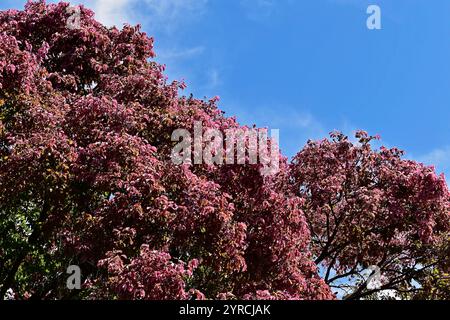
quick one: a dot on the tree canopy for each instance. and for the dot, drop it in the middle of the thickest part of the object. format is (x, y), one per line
(86, 178)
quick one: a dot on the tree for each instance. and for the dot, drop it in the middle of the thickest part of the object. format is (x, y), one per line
(86, 178)
(368, 207)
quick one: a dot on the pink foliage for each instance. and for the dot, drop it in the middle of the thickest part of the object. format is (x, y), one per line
(86, 118)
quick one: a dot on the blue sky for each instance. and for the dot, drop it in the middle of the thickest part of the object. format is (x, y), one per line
(308, 67)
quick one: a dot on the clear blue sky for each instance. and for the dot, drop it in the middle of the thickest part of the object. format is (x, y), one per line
(307, 67)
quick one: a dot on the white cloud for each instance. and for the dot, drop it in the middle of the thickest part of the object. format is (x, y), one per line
(440, 158)
(168, 15)
(171, 9)
(258, 9)
(214, 78)
(172, 54)
(292, 119)
(259, 3)
(163, 18)
(355, 3)
(109, 12)
(161, 15)
(206, 82)
(114, 12)
(178, 61)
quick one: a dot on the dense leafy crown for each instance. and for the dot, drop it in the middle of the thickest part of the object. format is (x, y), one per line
(86, 118)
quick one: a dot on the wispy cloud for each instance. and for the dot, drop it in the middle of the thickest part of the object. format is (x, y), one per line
(160, 18)
(292, 119)
(259, 10)
(156, 15)
(440, 158)
(168, 15)
(109, 12)
(214, 79)
(113, 12)
(297, 125)
(179, 54)
(178, 61)
(205, 83)
(361, 4)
